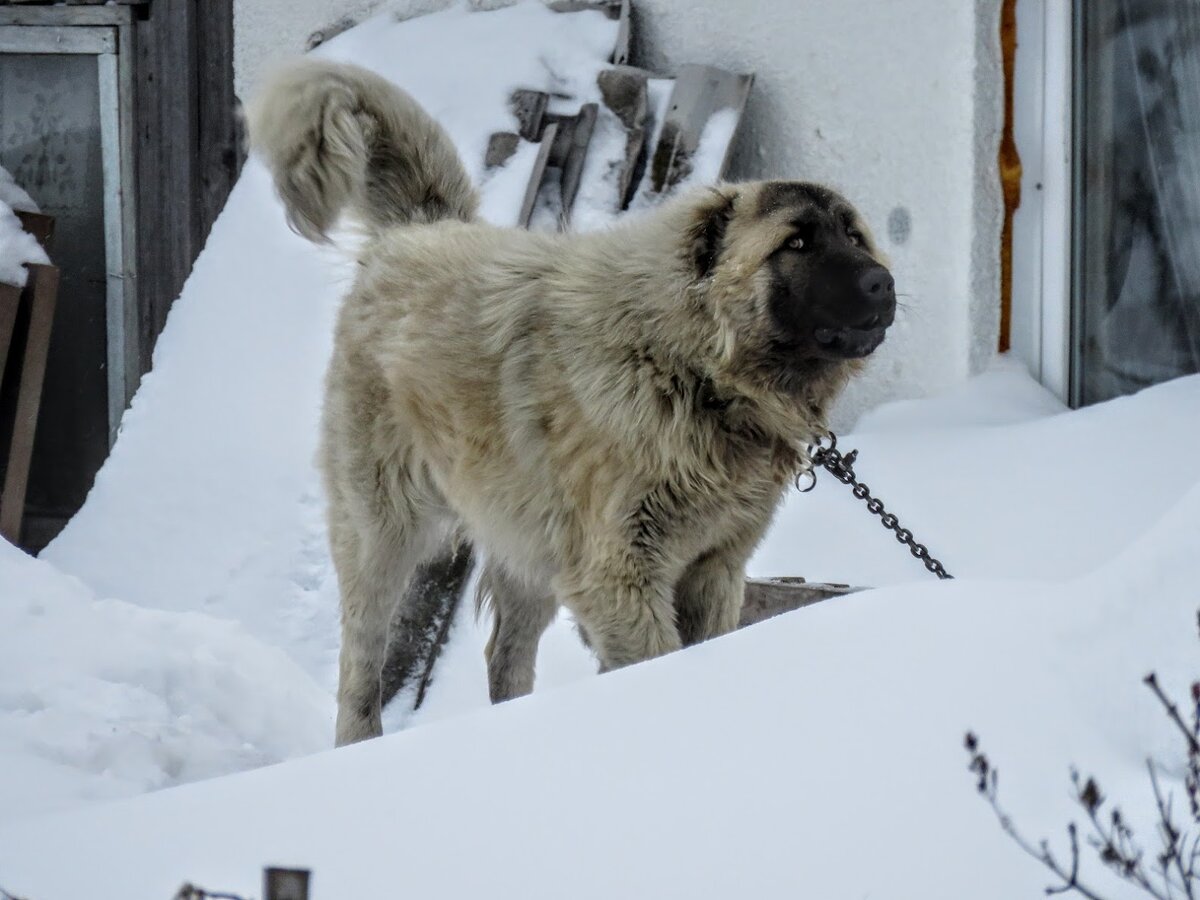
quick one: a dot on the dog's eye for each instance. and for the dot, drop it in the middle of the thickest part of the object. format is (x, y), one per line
(855, 238)
(797, 243)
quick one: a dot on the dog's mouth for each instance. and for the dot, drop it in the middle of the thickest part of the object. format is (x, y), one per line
(850, 343)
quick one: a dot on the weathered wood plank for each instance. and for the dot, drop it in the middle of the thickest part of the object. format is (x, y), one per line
(530, 109)
(770, 597)
(10, 302)
(220, 152)
(65, 15)
(578, 138)
(286, 884)
(41, 292)
(70, 2)
(500, 149)
(610, 8)
(167, 137)
(27, 39)
(537, 175)
(189, 146)
(625, 93)
(127, 267)
(40, 225)
(699, 93)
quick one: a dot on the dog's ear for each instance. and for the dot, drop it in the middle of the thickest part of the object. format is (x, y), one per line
(706, 235)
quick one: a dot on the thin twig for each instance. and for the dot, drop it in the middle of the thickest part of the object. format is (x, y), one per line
(5, 895)
(1151, 680)
(188, 891)
(988, 786)
(1172, 842)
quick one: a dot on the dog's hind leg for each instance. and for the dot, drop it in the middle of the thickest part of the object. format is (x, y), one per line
(521, 613)
(375, 559)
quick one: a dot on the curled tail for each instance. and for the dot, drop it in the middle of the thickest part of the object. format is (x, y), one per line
(339, 138)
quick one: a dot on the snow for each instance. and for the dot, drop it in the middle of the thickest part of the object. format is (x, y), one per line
(13, 195)
(816, 755)
(17, 247)
(113, 699)
(184, 625)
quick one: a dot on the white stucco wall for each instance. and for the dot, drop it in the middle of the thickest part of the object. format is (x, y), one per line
(897, 103)
(266, 31)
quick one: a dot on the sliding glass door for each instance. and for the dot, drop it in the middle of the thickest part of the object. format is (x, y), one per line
(1136, 305)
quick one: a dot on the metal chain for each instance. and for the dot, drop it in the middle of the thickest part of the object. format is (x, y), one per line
(841, 466)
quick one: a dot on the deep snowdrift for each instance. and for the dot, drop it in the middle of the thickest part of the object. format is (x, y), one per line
(819, 755)
(101, 698)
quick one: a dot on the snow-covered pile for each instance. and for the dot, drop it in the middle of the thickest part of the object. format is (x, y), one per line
(184, 625)
(101, 698)
(17, 247)
(816, 755)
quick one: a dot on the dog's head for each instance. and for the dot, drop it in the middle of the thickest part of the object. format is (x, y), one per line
(795, 278)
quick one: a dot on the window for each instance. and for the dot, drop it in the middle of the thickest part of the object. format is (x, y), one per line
(1135, 312)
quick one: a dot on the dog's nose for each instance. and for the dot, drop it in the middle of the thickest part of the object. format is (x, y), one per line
(877, 286)
(877, 289)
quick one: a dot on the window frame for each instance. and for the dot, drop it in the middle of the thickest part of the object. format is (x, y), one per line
(1043, 233)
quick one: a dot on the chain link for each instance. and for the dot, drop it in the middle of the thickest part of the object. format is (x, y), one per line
(841, 466)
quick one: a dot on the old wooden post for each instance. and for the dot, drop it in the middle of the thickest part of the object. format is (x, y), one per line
(285, 884)
(40, 295)
(39, 298)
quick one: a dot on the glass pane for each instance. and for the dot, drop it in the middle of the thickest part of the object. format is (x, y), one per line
(1137, 285)
(50, 142)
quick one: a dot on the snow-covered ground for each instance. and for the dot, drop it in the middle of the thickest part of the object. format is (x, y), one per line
(819, 754)
(184, 626)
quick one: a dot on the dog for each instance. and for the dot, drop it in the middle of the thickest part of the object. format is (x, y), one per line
(613, 416)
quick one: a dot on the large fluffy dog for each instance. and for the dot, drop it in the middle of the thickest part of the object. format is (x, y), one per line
(614, 417)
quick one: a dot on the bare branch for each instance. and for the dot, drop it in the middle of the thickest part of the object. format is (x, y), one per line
(1189, 735)
(191, 892)
(1172, 838)
(987, 785)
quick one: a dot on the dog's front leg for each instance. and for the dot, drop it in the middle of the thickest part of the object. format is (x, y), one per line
(625, 606)
(709, 597)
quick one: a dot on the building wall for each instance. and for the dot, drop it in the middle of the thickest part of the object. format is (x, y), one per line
(897, 103)
(267, 31)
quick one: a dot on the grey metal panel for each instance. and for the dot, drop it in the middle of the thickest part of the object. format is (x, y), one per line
(20, 39)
